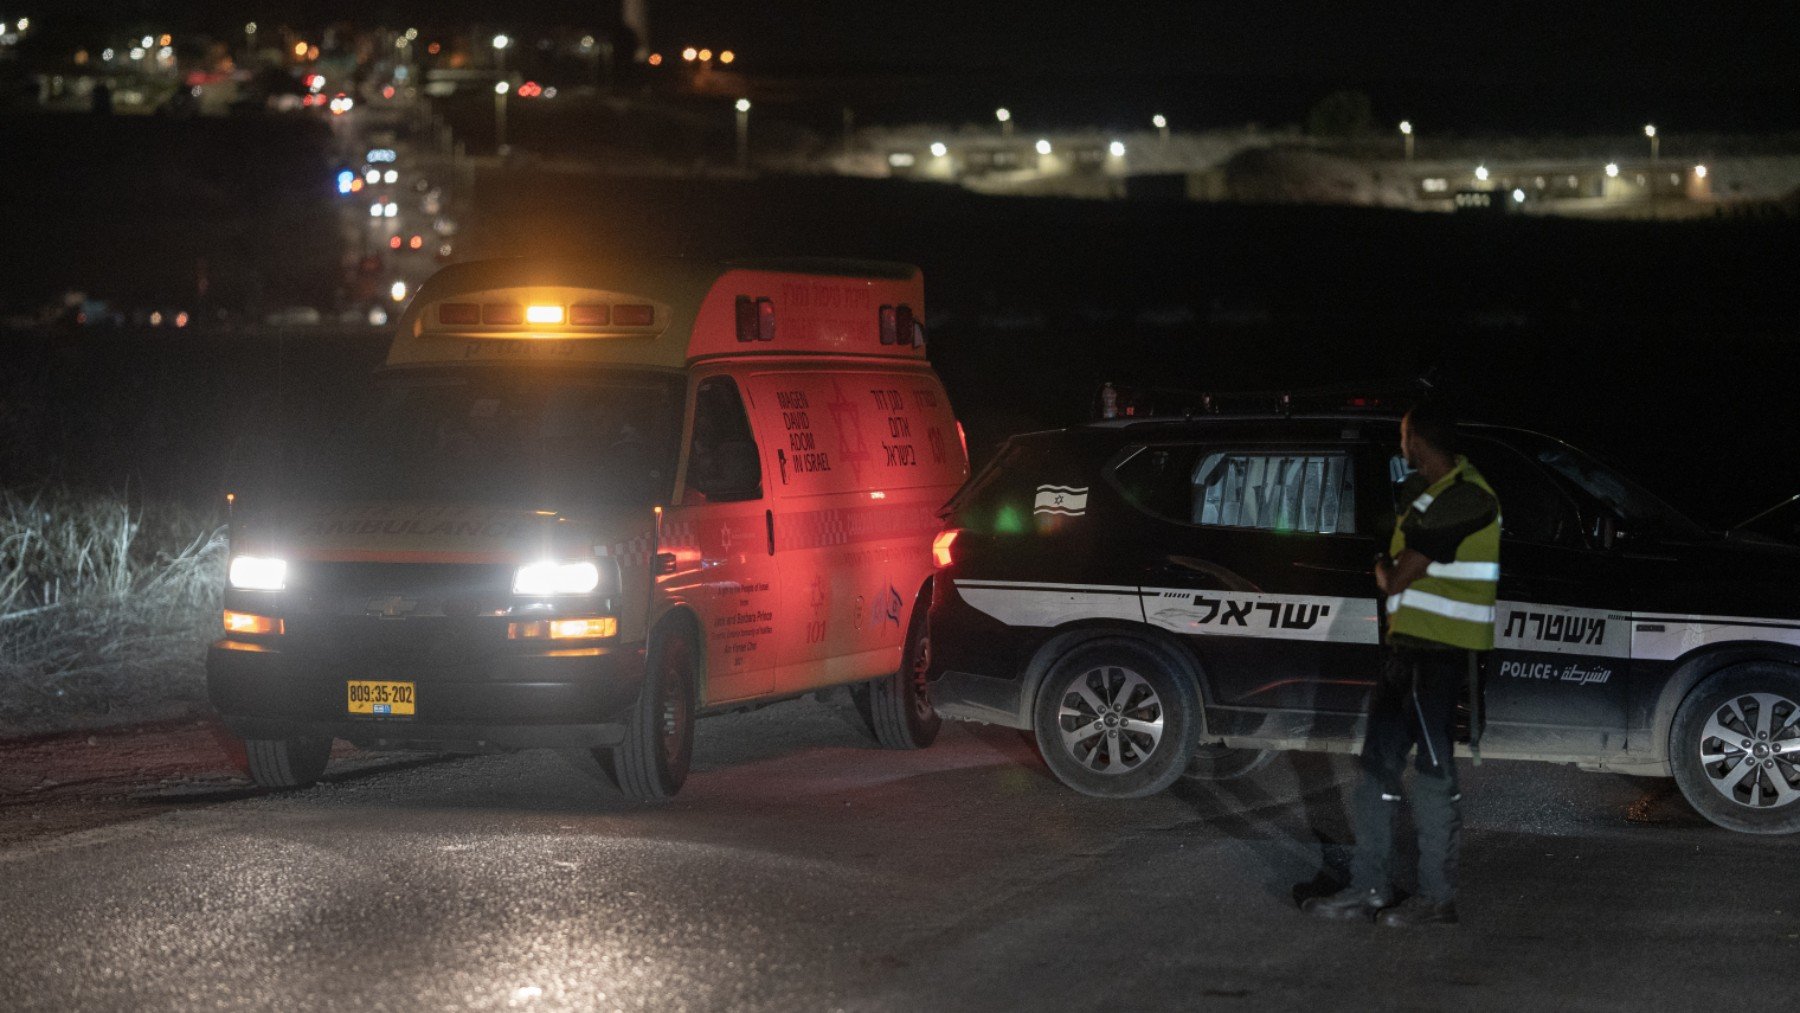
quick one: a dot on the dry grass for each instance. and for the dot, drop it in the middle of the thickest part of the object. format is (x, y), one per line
(105, 608)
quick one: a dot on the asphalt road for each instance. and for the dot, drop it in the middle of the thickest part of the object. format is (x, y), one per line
(805, 869)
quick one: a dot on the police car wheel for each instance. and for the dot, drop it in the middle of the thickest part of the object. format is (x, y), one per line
(1117, 718)
(899, 705)
(652, 763)
(1222, 763)
(1735, 748)
(287, 763)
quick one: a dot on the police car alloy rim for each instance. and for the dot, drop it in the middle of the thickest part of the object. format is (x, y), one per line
(1749, 750)
(672, 689)
(1110, 720)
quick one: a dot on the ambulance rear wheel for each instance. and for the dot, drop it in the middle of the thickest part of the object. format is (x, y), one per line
(1117, 718)
(899, 709)
(652, 763)
(1735, 748)
(287, 763)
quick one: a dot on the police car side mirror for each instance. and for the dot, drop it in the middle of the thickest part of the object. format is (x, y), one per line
(1604, 533)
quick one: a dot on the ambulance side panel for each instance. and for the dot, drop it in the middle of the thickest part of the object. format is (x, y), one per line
(861, 457)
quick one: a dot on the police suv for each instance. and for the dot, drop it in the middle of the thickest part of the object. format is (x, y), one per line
(1190, 594)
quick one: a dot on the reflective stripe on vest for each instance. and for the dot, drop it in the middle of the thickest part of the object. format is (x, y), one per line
(1453, 603)
(1465, 571)
(1413, 598)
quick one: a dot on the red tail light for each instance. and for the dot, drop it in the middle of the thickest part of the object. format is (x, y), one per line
(459, 313)
(943, 548)
(590, 314)
(633, 315)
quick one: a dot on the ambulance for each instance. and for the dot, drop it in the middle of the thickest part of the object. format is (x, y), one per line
(593, 502)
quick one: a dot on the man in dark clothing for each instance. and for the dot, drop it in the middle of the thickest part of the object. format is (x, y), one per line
(1439, 576)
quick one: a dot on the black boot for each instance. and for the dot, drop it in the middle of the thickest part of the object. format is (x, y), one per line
(1348, 904)
(1419, 911)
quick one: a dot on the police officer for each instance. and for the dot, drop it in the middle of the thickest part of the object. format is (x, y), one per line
(1439, 577)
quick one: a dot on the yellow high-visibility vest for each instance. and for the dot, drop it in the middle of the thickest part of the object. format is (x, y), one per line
(1453, 603)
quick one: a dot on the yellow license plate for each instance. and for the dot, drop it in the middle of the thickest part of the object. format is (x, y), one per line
(381, 698)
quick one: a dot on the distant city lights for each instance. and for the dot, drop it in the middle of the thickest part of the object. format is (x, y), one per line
(1159, 121)
(1116, 149)
(1612, 170)
(1699, 172)
(727, 56)
(1406, 126)
(1043, 146)
(1003, 114)
(501, 42)
(1518, 195)
(398, 291)
(1481, 173)
(743, 105)
(345, 180)
(655, 60)
(939, 149)
(689, 54)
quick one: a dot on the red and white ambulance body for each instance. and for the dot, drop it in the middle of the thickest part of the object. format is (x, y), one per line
(596, 501)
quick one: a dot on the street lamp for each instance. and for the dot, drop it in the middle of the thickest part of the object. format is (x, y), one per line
(1161, 123)
(500, 44)
(1406, 131)
(500, 90)
(1655, 143)
(1481, 173)
(743, 133)
(1004, 115)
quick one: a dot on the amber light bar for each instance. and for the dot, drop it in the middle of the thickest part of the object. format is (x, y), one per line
(591, 628)
(250, 623)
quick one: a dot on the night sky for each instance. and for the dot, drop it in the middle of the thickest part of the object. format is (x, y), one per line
(1504, 65)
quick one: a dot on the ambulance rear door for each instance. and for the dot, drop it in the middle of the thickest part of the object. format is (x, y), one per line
(861, 459)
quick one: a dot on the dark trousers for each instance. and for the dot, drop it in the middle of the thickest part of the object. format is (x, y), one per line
(1413, 706)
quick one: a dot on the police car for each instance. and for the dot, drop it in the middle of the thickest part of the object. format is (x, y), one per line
(1163, 596)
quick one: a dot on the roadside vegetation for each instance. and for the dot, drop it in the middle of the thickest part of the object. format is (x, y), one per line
(105, 608)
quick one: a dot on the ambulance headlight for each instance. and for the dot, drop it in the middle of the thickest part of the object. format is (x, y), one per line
(537, 579)
(258, 573)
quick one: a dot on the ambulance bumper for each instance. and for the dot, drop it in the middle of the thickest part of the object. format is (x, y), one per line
(516, 701)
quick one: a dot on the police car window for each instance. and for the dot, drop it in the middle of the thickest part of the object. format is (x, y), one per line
(1265, 489)
(1532, 508)
(1637, 508)
(559, 442)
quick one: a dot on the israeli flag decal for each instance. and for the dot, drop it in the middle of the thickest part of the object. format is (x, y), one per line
(1063, 500)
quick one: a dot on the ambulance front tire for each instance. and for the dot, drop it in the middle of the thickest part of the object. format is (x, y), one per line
(1117, 717)
(1735, 748)
(899, 709)
(287, 763)
(652, 763)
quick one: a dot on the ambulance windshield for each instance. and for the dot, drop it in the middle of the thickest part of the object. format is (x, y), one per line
(562, 441)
